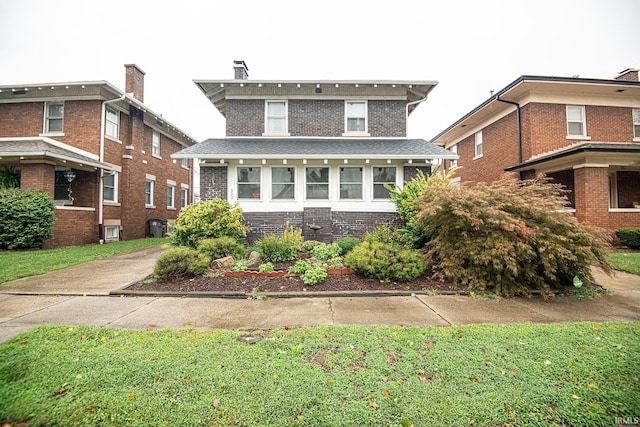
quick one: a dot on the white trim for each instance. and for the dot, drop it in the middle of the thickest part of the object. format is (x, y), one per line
(151, 192)
(624, 210)
(107, 123)
(45, 123)
(478, 136)
(74, 208)
(153, 144)
(172, 188)
(116, 180)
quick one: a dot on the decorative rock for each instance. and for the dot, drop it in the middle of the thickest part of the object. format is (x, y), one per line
(225, 263)
(254, 258)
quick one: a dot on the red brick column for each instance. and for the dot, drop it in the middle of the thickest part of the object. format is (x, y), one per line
(592, 195)
(40, 176)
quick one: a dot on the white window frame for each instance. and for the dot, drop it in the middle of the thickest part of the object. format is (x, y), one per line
(273, 182)
(267, 116)
(340, 183)
(115, 187)
(184, 163)
(347, 132)
(155, 144)
(478, 145)
(148, 192)
(259, 183)
(112, 124)
(374, 182)
(48, 118)
(112, 232)
(328, 183)
(171, 196)
(636, 124)
(582, 122)
(184, 196)
(453, 162)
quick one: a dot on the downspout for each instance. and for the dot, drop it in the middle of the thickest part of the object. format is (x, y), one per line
(519, 124)
(101, 180)
(421, 100)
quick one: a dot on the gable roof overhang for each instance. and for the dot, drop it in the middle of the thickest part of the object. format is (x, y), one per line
(218, 91)
(307, 148)
(91, 90)
(584, 154)
(39, 149)
(526, 89)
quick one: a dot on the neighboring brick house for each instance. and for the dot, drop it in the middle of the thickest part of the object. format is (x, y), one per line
(312, 154)
(102, 155)
(583, 133)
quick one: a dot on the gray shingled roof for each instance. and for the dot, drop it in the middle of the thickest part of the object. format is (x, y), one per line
(42, 148)
(327, 148)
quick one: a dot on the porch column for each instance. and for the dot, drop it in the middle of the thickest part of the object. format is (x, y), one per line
(40, 176)
(591, 187)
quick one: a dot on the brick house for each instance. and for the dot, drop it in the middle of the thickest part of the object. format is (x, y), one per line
(100, 152)
(312, 154)
(583, 133)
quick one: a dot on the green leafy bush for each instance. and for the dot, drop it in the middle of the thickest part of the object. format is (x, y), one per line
(284, 248)
(26, 218)
(508, 237)
(314, 275)
(629, 237)
(208, 219)
(180, 262)
(300, 267)
(323, 251)
(308, 245)
(346, 244)
(9, 178)
(384, 234)
(240, 265)
(385, 261)
(266, 268)
(221, 247)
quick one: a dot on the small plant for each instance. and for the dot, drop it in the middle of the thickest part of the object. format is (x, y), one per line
(301, 266)
(323, 251)
(279, 249)
(9, 178)
(222, 246)
(385, 261)
(180, 262)
(336, 262)
(240, 265)
(308, 245)
(266, 267)
(346, 244)
(314, 275)
(629, 237)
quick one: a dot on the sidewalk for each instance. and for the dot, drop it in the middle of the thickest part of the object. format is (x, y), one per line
(79, 296)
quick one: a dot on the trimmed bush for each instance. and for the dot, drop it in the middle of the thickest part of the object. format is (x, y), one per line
(284, 248)
(385, 261)
(629, 237)
(346, 244)
(221, 247)
(180, 262)
(208, 219)
(508, 237)
(26, 218)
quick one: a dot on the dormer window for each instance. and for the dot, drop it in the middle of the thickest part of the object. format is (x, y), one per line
(355, 117)
(276, 117)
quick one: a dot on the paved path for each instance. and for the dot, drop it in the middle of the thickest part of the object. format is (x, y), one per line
(77, 296)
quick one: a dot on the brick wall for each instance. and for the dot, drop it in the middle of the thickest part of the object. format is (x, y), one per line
(592, 196)
(356, 224)
(73, 227)
(213, 182)
(316, 118)
(609, 124)
(387, 118)
(23, 119)
(245, 117)
(263, 223)
(38, 175)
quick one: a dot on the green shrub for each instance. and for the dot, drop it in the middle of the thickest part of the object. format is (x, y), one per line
(314, 275)
(9, 178)
(308, 245)
(300, 267)
(323, 252)
(221, 247)
(26, 218)
(385, 261)
(279, 249)
(346, 244)
(384, 234)
(509, 237)
(180, 262)
(266, 268)
(208, 219)
(629, 237)
(240, 265)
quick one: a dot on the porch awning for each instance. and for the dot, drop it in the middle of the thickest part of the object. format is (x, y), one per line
(40, 148)
(314, 148)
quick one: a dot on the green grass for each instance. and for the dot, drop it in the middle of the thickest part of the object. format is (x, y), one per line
(625, 261)
(579, 374)
(17, 264)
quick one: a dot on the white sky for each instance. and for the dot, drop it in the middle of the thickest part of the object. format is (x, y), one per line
(468, 46)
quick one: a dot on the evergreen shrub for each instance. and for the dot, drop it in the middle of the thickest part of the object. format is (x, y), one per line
(208, 219)
(26, 218)
(180, 262)
(385, 261)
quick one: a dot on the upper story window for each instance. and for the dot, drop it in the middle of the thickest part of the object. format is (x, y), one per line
(110, 185)
(317, 180)
(576, 123)
(351, 183)
(636, 123)
(53, 117)
(276, 117)
(112, 128)
(356, 116)
(383, 176)
(155, 144)
(185, 163)
(454, 162)
(249, 183)
(478, 145)
(283, 183)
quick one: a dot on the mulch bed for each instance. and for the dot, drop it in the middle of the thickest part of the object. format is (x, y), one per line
(290, 284)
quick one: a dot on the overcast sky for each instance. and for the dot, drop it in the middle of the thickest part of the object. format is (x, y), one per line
(469, 47)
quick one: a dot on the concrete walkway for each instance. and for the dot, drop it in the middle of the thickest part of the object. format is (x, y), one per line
(79, 296)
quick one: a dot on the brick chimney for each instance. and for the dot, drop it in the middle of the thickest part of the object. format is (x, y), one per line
(241, 70)
(134, 81)
(630, 75)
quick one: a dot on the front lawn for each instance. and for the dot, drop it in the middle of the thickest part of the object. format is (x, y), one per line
(625, 261)
(578, 374)
(17, 264)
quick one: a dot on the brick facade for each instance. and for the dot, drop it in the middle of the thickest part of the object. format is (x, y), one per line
(213, 182)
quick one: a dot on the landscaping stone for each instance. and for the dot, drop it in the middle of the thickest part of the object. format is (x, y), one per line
(225, 263)
(254, 258)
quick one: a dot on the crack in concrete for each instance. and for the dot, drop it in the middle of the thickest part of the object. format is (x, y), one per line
(333, 313)
(433, 311)
(132, 311)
